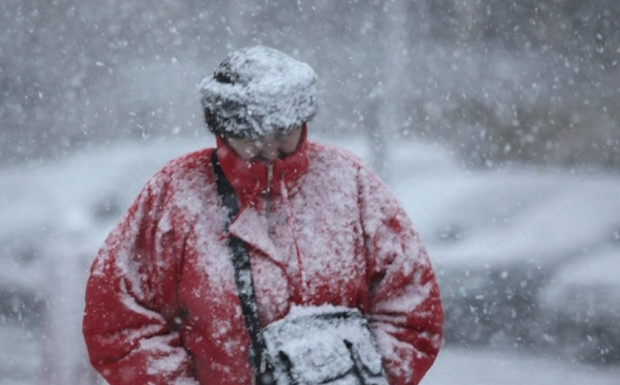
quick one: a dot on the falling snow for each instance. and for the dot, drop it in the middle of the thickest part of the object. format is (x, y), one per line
(496, 123)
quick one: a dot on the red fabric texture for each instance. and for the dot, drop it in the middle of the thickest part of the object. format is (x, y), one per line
(161, 302)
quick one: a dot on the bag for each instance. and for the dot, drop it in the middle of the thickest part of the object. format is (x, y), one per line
(323, 345)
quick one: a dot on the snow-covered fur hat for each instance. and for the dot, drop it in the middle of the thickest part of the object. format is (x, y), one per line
(257, 91)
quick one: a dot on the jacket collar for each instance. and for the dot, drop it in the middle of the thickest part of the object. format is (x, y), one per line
(250, 179)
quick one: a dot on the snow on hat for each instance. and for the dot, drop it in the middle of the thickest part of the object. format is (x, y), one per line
(257, 91)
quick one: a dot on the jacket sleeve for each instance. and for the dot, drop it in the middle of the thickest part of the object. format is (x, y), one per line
(131, 313)
(404, 306)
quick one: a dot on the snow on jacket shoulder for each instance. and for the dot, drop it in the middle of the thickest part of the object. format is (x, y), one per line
(161, 301)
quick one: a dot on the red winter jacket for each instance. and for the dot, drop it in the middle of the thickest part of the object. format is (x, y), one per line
(161, 301)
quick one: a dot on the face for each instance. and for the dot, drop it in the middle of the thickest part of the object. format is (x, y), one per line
(268, 148)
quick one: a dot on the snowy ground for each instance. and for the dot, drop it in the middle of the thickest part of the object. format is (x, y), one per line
(485, 367)
(549, 239)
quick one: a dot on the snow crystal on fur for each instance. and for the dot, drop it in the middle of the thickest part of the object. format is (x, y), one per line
(257, 91)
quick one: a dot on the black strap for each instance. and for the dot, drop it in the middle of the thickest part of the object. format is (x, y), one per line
(243, 279)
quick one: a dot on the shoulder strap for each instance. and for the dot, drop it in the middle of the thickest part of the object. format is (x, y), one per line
(243, 278)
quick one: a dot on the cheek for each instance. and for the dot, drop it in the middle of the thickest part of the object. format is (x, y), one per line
(288, 147)
(250, 152)
(245, 150)
(290, 144)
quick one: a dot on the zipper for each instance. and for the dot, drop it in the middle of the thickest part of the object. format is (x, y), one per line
(268, 198)
(269, 178)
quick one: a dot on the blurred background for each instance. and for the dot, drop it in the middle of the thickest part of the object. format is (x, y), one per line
(518, 81)
(497, 124)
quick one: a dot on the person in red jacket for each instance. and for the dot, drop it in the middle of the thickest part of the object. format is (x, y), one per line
(320, 228)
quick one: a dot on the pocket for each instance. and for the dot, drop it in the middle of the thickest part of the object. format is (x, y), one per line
(369, 369)
(364, 354)
(323, 362)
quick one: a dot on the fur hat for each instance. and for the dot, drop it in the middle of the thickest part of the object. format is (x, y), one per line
(257, 91)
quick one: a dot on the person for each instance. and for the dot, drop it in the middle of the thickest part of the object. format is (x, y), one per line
(320, 227)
